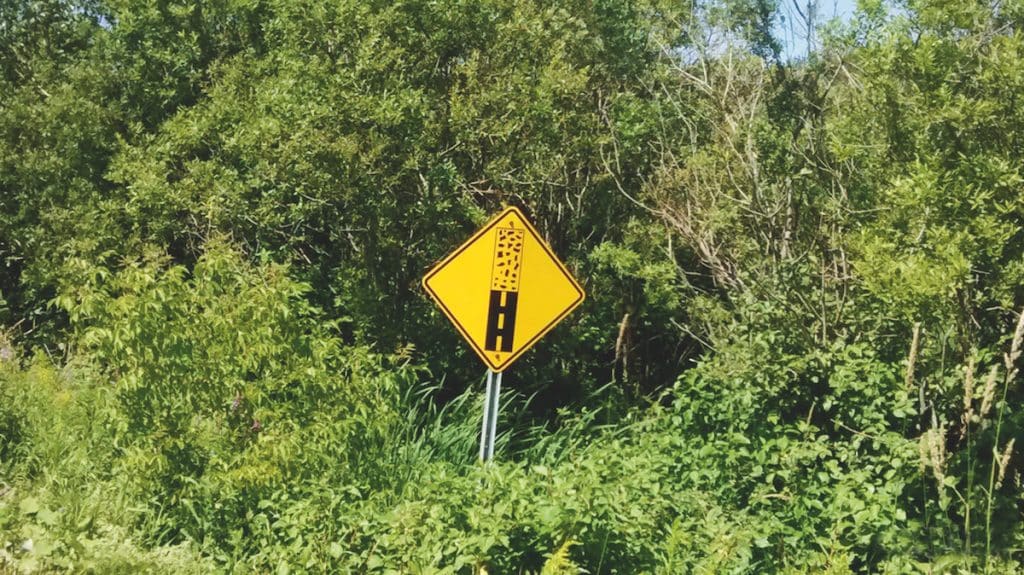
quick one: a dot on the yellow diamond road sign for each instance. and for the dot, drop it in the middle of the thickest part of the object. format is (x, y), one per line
(503, 289)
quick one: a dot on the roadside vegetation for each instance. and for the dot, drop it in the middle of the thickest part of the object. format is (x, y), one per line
(799, 353)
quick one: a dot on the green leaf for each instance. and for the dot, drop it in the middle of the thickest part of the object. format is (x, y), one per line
(47, 517)
(29, 506)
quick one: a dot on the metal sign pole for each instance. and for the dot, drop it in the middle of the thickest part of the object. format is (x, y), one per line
(489, 425)
(485, 426)
(495, 405)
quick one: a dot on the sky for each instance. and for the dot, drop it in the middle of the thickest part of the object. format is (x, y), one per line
(792, 30)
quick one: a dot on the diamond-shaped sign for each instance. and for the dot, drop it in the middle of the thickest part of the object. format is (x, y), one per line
(503, 289)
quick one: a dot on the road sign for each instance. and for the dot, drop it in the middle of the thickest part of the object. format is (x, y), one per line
(503, 289)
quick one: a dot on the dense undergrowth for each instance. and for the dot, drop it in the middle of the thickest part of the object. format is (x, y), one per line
(260, 442)
(799, 353)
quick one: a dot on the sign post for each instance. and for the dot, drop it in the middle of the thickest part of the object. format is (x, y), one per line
(503, 290)
(489, 427)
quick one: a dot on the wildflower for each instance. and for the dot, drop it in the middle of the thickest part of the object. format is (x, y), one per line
(937, 453)
(1004, 461)
(989, 394)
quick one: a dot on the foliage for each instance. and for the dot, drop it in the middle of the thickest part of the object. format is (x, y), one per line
(800, 350)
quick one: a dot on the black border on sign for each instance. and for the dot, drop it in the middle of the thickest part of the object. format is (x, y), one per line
(541, 333)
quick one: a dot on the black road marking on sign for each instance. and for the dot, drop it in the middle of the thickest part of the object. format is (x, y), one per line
(501, 320)
(506, 269)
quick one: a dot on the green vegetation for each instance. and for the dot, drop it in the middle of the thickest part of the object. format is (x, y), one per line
(801, 345)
